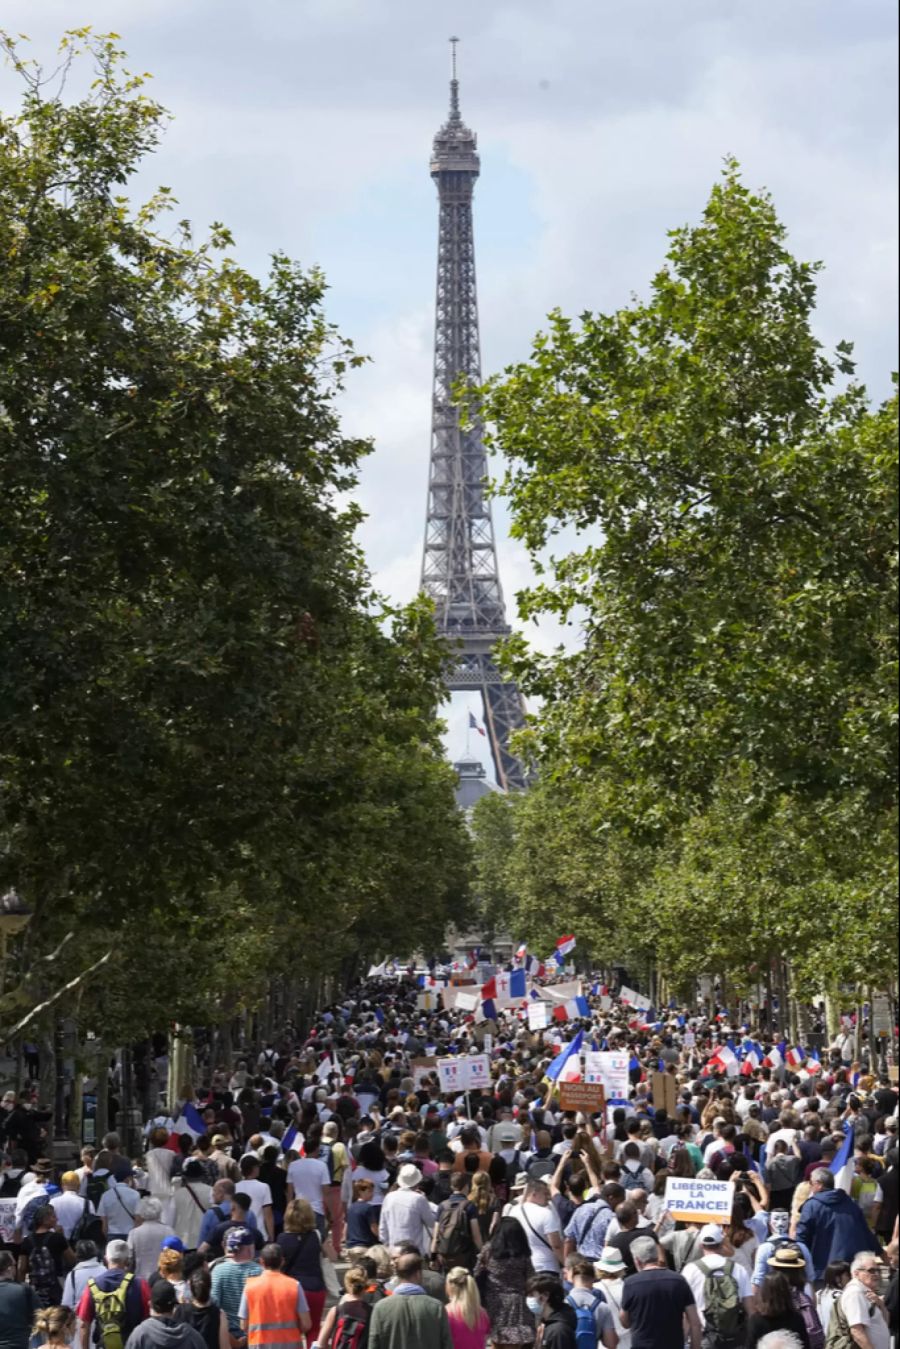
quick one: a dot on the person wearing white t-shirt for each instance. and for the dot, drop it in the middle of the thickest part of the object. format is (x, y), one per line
(540, 1223)
(307, 1178)
(259, 1194)
(710, 1259)
(860, 1302)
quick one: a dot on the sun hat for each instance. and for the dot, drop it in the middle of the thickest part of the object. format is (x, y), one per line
(42, 1167)
(219, 1140)
(237, 1238)
(611, 1261)
(409, 1177)
(711, 1235)
(787, 1257)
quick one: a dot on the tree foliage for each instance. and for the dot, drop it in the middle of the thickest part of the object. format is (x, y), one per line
(217, 745)
(729, 721)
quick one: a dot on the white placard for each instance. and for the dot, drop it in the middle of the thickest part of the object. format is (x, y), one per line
(611, 1069)
(689, 1039)
(7, 1219)
(464, 1074)
(538, 1015)
(635, 999)
(467, 1002)
(699, 1201)
(488, 1043)
(605, 1002)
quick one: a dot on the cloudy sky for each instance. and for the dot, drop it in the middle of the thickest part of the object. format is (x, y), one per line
(306, 125)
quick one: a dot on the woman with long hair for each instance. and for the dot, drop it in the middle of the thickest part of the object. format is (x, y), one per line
(171, 1267)
(774, 1310)
(502, 1272)
(159, 1162)
(487, 1210)
(371, 1167)
(469, 1324)
(303, 1250)
(790, 1261)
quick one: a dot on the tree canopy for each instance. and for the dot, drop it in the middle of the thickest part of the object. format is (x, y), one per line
(218, 744)
(719, 752)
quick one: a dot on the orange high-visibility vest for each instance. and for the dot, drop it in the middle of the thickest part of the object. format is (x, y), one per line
(272, 1311)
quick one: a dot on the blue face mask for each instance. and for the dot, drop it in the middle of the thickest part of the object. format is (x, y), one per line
(535, 1306)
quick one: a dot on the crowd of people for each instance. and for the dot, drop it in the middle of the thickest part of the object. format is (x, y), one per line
(329, 1193)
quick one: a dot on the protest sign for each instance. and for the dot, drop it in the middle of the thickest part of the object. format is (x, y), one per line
(635, 999)
(664, 1091)
(469, 1073)
(588, 1097)
(7, 1219)
(421, 1069)
(488, 1043)
(562, 992)
(427, 1002)
(689, 1039)
(538, 1015)
(610, 1069)
(699, 1201)
(467, 1002)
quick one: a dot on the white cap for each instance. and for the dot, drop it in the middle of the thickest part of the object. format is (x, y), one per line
(711, 1235)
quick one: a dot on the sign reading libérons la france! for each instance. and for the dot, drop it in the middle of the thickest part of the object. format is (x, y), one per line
(699, 1201)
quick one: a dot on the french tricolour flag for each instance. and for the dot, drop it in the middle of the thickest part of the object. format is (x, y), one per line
(751, 1062)
(775, 1057)
(565, 945)
(726, 1060)
(795, 1057)
(522, 951)
(842, 1166)
(575, 1007)
(813, 1063)
(190, 1121)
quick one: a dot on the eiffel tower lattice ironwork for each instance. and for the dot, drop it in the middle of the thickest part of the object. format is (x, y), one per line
(459, 566)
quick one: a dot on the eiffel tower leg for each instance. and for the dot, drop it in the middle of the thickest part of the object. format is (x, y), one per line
(504, 713)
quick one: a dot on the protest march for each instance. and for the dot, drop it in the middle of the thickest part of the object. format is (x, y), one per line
(473, 1155)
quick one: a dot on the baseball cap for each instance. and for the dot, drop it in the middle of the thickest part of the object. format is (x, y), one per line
(711, 1235)
(162, 1296)
(236, 1238)
(172, 1244)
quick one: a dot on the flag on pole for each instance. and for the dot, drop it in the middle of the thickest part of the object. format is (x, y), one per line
(813, 1063)
(795, 1057)
(555, 1068)
(775, 1057)
(473, 726)
(289, 1138)
(842, 1165)
(565, 945)
(522, 951)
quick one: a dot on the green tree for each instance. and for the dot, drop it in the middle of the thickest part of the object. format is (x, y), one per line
(735, 571)
(217, 746)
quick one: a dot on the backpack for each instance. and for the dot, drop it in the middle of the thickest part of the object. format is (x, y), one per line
(351, 1330)
(454, 1240)
(811, 1323)
(585, 1323)
(723, 1309)
(839, 1336)
(97, 1186)
(109, 1312)
(88, 1228)
(42, 1274)
(326, 1155)
(632, 1180)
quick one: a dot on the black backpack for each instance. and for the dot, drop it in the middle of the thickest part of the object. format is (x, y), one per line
(88, 1228)
(97, 1186)
(42, 1273)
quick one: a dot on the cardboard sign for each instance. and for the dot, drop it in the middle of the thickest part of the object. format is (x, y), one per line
(664, 1092)
(538, 1015)
(882, 1016)
(699, 1201)
(689, 1039)
(421, 1068)
(466, 1002)
(611, 1069)
(464, 1074)
(427, 1002)
(7, 1219)
(588, 1097)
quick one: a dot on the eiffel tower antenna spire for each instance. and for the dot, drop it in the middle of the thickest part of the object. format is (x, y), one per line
(454, 83)
(459, 564)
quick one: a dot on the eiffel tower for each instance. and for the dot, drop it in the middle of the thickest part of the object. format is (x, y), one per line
(459, 565)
